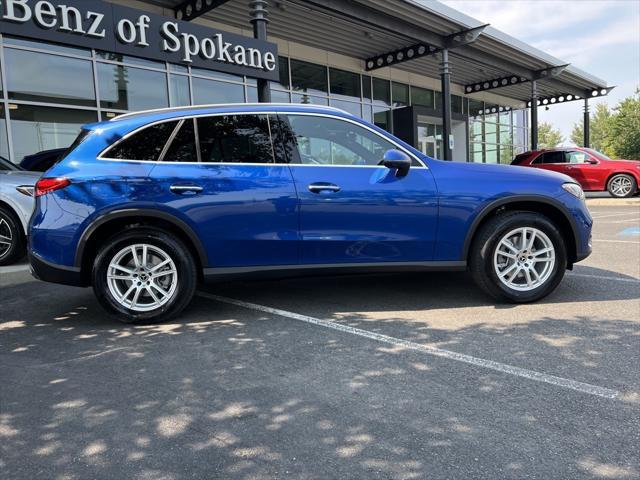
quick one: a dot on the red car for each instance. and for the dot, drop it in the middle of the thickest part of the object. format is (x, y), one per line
(593, 170)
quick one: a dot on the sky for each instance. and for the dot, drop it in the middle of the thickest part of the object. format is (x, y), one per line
(601, 37)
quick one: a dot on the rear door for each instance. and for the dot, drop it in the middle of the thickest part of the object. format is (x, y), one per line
(578, 167)
(241, 204)
(351, 209)
(555, 161)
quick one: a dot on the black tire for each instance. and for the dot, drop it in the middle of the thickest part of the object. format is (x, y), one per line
(9, 223)
(187, 277)
(486, 241)
(630, 193)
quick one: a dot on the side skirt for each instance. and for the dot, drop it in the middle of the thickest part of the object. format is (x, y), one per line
(214, 274)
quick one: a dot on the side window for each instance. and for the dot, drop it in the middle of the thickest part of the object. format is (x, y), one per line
(235, 139)
(329, 141)
(576, 157)
(145, 145)
(554, 157)
(183, 147)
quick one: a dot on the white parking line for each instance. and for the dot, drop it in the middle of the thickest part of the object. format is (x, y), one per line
(17, 268)
(615, 241)
(613, 215)
(459, 357)
(604, 277)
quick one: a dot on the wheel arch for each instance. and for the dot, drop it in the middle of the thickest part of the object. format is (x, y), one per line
(544, 205)
(634, 175)
(112, 222)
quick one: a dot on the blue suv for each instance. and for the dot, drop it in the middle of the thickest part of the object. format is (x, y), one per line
(148, 205)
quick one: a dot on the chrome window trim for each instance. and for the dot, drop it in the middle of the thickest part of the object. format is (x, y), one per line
(102, 155)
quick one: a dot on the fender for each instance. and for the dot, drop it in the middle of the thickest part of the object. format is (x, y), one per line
(501, 202)
(139, 213)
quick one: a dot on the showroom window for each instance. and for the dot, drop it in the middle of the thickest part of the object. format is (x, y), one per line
(207, 92)
(35, 128)
(67, 80)
(129, 88)
(4, 141)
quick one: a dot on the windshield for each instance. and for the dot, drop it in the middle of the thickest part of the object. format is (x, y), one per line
(597, 154)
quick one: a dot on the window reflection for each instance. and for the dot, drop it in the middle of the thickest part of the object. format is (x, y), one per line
(4, 142)
(36, 128)
(179, 86)
(207, 92)
(41, 77)
(128, 88)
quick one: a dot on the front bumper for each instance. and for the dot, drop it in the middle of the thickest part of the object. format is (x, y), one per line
(49, 272)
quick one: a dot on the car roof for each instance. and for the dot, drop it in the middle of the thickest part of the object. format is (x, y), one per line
(160, 114)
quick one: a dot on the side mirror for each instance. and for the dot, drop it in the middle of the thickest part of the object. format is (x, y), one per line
(395, 159)
(591, 161)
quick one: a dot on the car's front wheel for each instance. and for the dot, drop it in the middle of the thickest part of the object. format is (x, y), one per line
(144, 275)
(518, 257)
(622, 186)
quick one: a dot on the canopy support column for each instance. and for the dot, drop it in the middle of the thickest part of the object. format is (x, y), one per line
(534, 115)
(259, 19)
(586, 125)
(445, 75)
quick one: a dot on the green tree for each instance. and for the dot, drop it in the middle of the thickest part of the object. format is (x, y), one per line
(624, 129)
(598, 128)
(548, 136)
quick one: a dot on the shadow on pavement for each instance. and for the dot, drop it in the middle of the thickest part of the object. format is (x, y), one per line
(224, 392)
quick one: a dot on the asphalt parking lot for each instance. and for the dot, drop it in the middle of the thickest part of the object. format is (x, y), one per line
(387, 376)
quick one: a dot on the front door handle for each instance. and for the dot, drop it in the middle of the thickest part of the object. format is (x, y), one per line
(319, 187)
(185, 189)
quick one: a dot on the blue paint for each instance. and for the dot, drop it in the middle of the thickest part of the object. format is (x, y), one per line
(633, 231)
(264, 214)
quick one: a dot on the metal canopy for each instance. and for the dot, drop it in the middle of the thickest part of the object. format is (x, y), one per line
(189, 9)
(364, 29)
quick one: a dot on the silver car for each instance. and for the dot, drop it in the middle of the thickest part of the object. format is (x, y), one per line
(16, 205)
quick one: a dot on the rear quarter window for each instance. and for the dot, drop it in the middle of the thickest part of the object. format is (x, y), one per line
(520, 159)
(144, 145)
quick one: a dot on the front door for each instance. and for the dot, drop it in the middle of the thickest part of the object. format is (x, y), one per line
(241, 204)
(351, 209)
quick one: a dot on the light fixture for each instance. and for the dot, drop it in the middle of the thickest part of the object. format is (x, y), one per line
(594, 93)
(561, 99)
(569, 97)
(545, 101)
(553, 100)
(603, 91)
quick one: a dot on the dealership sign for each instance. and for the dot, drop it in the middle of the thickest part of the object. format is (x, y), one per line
(118, 29)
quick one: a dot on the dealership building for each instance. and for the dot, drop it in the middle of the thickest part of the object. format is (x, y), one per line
(453, 87)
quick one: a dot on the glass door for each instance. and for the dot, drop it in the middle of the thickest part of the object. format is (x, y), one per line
(430, 139)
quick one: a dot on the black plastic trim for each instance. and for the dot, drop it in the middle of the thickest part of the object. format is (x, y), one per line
(51, 272)
(337, 268)
(515, 199)
(137, 213)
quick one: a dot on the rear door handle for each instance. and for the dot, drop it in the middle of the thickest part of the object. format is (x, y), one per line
(185, 189)
(319, 187)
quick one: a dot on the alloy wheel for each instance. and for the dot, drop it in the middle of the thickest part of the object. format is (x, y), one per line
(621, 186)
(142, 277)
(524, 259)
(6, 237)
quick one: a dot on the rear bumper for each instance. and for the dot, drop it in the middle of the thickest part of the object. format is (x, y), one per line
(50, 272)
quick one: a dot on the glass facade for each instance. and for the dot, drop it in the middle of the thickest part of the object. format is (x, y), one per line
(48, 91)
(496, 134)
(40, 112)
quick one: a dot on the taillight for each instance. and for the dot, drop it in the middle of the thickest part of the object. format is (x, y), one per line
(47, 185)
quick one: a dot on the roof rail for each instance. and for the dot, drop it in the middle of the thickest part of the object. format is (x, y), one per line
(221, 105)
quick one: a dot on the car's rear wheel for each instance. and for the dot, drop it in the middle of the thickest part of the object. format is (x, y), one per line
(144, 275)
(518, 257)
(12, 239)
(622, 186)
